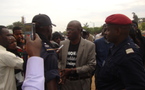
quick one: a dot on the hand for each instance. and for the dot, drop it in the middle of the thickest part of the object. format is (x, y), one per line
(62, 78)
(64, 74)
(22, 40)
(33, 47)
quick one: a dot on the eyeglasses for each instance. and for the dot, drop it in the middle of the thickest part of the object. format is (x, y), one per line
(70, 29)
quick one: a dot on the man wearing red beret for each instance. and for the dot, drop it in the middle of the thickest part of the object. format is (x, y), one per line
(123, 69)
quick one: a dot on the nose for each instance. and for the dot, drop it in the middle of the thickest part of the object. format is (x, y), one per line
(68, 32)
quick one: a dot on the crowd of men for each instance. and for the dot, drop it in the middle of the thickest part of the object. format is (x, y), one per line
(116, 58)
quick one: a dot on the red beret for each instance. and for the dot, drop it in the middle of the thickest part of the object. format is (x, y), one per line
(118, 19)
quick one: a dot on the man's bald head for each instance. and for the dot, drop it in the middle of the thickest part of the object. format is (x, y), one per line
(76, 23)
(74, 30)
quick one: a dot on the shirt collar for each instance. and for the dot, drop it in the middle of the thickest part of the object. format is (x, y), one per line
(2, 48)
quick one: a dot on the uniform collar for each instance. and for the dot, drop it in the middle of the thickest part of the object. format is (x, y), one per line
(105, 40)
(114, 49)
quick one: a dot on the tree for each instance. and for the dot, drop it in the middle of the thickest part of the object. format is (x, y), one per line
(92, 30)
(64, 32)
(86, 25)
(143, 26)
(10, 26)
(18, 23)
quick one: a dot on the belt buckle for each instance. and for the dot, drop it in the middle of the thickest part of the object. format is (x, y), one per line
(73, 78)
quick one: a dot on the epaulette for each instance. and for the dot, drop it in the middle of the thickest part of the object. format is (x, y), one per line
(48, 48)
(51, 49)
(129, 50)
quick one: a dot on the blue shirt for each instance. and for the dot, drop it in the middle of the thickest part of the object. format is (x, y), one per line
(123, 69)
(102, 49)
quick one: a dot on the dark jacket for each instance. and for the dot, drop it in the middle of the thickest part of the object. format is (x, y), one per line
(123, 69)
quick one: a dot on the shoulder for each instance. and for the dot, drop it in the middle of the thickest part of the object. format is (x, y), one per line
(131, 47)
(54, 44)
(65, 41)
(99, 40)
(49, 55)
(11, 58)
(46, 48)
(132, 54)
(87, 44)
(6, 53)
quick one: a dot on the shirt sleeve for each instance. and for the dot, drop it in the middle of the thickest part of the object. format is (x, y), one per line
(34, 79)
(51, 69)
(11, 60)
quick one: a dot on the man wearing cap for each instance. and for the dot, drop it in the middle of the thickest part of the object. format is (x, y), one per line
(123, 69)
(43, 27)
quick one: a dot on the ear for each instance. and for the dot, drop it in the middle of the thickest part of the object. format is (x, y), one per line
(50, 29)
(118, 31)
(47, 29)
(81, 31)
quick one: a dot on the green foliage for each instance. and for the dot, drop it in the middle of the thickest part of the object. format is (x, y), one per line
(64, 32)
(143, 26)
(18, 23)
(10, 26)
(92, 30)
(86, 25)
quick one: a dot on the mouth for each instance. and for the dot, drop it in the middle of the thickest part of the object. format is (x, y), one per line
(68, 35)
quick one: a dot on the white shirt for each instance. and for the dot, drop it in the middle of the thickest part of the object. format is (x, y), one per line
(34, 79)
(8, 62)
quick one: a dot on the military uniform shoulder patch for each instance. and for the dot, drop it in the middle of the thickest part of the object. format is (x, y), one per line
(46, 45)
(130, 50)
(48, 48)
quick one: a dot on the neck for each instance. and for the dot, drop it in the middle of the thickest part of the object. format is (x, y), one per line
(76, 41)
(43, 36)
(120, 40)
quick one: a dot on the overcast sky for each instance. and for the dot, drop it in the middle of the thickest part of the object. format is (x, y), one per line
(61, 12)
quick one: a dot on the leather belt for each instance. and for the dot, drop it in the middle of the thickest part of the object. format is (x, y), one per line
(77, 78)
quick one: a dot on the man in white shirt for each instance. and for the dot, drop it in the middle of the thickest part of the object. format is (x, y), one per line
(8, 62)
(34, 79)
